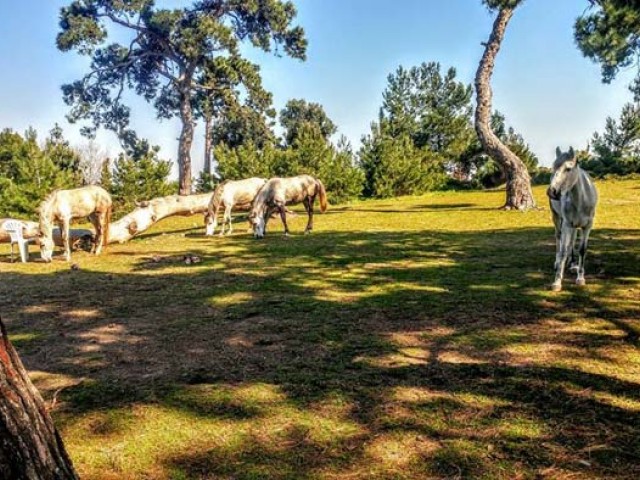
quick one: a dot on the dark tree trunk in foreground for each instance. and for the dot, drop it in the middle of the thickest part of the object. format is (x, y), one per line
(30, 447)
(519, 195)
(208, 145)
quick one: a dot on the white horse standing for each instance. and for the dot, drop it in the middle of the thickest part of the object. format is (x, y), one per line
(63, 205)
(573, 198)
(230, 194)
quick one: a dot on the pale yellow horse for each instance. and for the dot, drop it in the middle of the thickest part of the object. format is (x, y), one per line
(63, 205)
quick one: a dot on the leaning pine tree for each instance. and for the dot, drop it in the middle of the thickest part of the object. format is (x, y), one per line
(519, 195)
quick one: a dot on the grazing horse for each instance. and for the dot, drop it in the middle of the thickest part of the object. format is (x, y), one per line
(279, 192)
(573, 198)
(230, 194)
(63, 205)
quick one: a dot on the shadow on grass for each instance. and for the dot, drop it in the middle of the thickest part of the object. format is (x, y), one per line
(445, 348)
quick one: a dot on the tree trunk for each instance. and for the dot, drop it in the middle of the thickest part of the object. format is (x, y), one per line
(30, 447)
(208, 145)
(76, 235)
(519, 195)
(186, 140)
(155, 210)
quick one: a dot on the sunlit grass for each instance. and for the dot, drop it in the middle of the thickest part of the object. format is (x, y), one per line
(406, 338)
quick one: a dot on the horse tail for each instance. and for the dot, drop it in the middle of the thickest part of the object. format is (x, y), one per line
(323, 195)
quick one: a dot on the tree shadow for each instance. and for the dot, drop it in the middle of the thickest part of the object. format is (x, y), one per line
(445, 348)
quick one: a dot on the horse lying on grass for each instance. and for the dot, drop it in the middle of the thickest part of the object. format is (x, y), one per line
(279, 192)
(63, 205)
(573, 198)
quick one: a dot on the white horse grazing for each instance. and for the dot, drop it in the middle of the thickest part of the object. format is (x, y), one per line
(63, 205)
(279, 192)
(230, 194)
(573, 198)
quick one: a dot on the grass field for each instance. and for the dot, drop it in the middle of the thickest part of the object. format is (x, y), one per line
(404, 339)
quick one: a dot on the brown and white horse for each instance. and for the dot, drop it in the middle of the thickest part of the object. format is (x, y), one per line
(230, 194)
(279, 192)
(63, 205)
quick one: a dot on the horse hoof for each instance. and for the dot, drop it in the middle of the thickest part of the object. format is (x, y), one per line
(581, 282)
(556, 287)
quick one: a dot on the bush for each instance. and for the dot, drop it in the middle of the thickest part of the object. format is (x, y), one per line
(395, 166)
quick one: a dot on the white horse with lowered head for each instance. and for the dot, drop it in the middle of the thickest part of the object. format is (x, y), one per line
(277, 193)
(61, 206)
(573, 198)
(230, 194)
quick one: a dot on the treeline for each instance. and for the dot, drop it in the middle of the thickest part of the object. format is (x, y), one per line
(423, 140)
(30, 169)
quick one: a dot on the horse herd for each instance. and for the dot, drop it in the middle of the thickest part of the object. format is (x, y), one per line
(572, 196)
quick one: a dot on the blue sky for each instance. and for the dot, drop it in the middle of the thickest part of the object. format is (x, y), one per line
(546, 89)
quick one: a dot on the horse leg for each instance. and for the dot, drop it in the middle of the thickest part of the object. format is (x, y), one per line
(308, 205)
(93, 218)
(582, 254)
(101, 219)
(64, 233)
(228, 215)
(565, 251)
(557, 223)
(573, 257)
(283, 216)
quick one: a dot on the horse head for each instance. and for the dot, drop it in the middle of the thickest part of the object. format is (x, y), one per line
(46, 245)
(565, 173)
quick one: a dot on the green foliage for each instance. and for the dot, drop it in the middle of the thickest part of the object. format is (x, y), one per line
(241, 125)
(488, 172)
(28, 173)
(424, 125)
(299, 115)
(246, 160)
(309, 154)
(142, 176)
(497, 4)
(608, 34)
(616, 151)
(396, 166)
(432, 108)
(334, 165)
(57, 148)
(168, 55)
(205, 183)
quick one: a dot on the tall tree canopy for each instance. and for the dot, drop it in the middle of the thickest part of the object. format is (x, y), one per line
(432, 108)
(518, 188)
(609, 34)
(166, 56)
(299, 115)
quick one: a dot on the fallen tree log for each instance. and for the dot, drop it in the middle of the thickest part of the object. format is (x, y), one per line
(30, 446)
(152, 211)
(80, 237)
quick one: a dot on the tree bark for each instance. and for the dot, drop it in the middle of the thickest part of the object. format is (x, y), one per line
(208, 145)
(30, 446)
(185, 142)
(519, 194)
(155, 210)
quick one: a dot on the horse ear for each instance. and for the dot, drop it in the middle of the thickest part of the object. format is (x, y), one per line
(572, 153)
(558, 152)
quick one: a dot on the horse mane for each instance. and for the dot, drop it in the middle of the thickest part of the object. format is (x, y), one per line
(45, 209)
